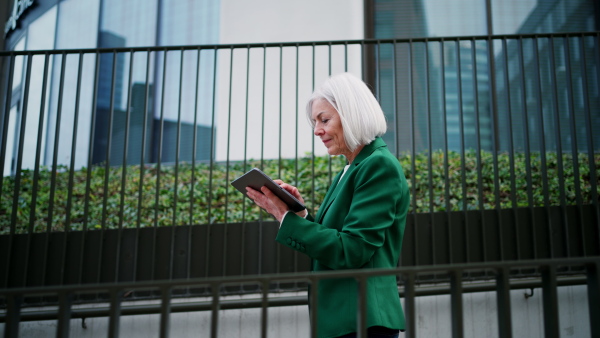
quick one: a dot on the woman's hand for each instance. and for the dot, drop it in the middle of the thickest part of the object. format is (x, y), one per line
(272, 204)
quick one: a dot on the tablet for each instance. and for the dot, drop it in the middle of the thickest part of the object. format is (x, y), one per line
(256, 179)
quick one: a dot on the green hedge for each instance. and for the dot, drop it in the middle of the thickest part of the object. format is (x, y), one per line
(186, 194)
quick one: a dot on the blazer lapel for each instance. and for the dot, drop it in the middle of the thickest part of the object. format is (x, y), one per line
(328, 197)
(335, 186)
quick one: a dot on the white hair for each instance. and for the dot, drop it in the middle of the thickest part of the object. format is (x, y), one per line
(360, 113)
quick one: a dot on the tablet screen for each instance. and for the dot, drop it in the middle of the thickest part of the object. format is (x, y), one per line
(256, 179)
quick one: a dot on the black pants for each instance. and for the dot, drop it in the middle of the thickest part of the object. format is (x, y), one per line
(375, 332)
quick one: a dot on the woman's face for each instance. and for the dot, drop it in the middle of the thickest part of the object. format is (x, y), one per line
(328, 127)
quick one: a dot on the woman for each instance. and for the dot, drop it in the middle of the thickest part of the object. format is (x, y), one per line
(360, 224)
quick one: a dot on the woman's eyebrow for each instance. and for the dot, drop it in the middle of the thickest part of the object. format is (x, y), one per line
(319, 114)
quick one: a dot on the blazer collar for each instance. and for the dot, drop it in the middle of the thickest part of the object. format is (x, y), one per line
(334, 189)
(368, 150)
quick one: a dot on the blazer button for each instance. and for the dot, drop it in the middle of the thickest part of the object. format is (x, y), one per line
(294, 244)
(289, 241)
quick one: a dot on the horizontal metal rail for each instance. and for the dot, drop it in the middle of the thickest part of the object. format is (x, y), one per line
(81, 312)
(548, 282)
(301, 43)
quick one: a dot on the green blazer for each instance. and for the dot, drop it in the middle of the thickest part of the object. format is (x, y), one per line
(359, 225)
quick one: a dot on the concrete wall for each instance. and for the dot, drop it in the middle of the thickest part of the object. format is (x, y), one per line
(433, 319)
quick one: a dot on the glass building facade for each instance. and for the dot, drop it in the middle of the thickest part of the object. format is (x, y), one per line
(459, 97)
(452, 80)
(127, 103)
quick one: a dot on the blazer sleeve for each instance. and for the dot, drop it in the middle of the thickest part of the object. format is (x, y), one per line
(355, 224)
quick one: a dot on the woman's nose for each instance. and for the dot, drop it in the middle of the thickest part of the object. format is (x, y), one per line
(318, 131)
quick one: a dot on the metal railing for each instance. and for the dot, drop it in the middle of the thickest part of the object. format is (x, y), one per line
(168, 291)
(138, 137)
(117, 162)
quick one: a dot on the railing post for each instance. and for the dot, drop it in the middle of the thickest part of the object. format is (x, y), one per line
(114, 313)
(409, 309)
(64, 314)
(361, 308)
(550, 302)
(593, 290)
(456, 307)
(503, 301)
(13, 314)
(216, 306)
(165, 311)
(313, 305)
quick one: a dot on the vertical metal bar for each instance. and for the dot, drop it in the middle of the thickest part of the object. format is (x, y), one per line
(511, 158)
(23, 122)
(73, 140)
(61, 87)
(542, 138)
(395, 100)
(36, 174)
(88, 179)
(313, 304)
(13, 315)
(143, 150)
(141, 185)
(160, 140)
(109, 133)
(193, 176)
(559, 152)
(65, 300)
(6, 119)
(429, 151)
(477, 128)
(456, 306)
(312, 167)
(212, 138)
(262, 116)
(330, 173)
(124, 168)
(550, 302)
(178, 144)
(413, 170)
(446, 151)
(280, 162)
(176, 178)
(296, 124)
(38, 151)
(491, 56)
(476, 111)
(525, 122)
(114, 313)
(216, 306)
(410, 308)
(503, 303)
(593, 291)
(227, 160)
(3, 147)
(165, 310)
(125, 145)
(194, 147)
(361, 307)
(463, 161)
(574, 146)
(211, 160)
(264, 313)
(590, 140)
(429, 140)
